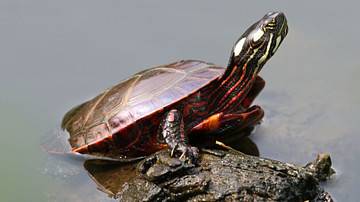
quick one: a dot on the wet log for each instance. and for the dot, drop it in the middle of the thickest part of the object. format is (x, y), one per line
(227, 176)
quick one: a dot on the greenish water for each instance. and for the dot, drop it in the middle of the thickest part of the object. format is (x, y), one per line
(57, 54)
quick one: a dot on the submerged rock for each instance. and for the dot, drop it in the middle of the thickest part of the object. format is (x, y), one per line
(222, 175)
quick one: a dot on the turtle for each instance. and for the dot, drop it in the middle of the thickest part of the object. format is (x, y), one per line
(167, 105)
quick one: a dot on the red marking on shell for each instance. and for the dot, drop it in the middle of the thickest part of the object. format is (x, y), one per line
(78, 140)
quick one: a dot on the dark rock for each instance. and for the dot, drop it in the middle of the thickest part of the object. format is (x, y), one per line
(226, 176)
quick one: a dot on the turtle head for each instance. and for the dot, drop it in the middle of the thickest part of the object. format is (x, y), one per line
(260, 41)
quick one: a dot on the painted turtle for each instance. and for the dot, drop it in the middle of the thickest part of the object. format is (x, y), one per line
(164, 105)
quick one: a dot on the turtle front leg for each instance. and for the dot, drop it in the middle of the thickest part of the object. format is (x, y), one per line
(176, 138)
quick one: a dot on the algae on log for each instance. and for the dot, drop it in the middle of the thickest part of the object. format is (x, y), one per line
(222, 175)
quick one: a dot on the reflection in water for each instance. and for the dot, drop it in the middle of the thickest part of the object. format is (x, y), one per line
(112, 177)
(61, 166)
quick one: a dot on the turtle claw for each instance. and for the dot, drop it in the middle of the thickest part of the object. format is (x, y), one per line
(187, 152)
(193, 154)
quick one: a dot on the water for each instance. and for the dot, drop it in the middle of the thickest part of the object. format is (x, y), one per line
(57, 54)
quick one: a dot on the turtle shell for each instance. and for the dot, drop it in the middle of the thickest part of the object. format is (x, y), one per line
(108, 117)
